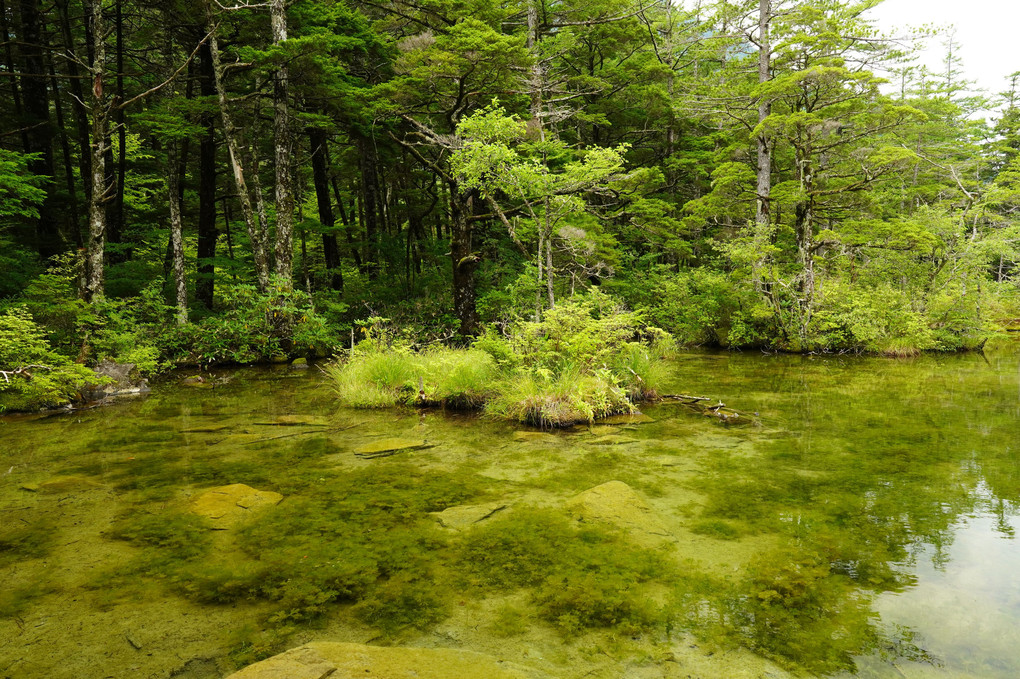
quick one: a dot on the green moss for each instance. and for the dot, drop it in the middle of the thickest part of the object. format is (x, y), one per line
(15, 600)
(719, 529)
(581, 577)
(510, 621)
(19, 541)
(175, 535)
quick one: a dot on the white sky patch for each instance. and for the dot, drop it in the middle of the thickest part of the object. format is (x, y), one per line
(985, 35)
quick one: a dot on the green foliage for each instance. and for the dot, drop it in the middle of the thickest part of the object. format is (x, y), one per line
(20, 190)
(254, 327)
(34, 375)
(588, 358)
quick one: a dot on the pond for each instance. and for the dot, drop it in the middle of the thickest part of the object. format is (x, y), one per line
(864, 527)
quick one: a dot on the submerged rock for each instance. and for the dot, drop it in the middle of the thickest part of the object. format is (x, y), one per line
(612, 440)
(464, 516)
(226, 506)
(617, 504)
(321, 659)
(384, 447)
(533, 436)
(63, 484)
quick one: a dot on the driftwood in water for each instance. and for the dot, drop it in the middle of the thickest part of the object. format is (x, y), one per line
(709, 407)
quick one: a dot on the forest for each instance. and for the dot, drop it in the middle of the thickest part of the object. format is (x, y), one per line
(195, 182)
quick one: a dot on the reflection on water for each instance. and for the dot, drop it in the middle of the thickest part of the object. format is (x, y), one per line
(865, 529)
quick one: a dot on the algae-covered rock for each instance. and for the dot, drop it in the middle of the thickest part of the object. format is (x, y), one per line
(617, 504)
(465, 516)
(321, 659)
(612, 440)
(226, 506)
(384, 447)
(63, 484)
(633, 418)
(534, 437)
(299, 363)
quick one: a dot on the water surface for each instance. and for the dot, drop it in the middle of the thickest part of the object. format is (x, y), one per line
(865, 528)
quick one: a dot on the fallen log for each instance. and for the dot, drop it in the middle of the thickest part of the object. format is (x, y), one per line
(703, 405)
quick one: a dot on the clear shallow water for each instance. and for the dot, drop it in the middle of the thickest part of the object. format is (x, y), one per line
(865, 529)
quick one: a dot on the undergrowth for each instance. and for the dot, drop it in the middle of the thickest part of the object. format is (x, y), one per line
(587, 359)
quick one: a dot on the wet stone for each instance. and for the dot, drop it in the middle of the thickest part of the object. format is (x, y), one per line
(612, 440)
(389, 446)
(226, 506)
(318, 660)
(63, 484)
(465, 516)
(615, 503)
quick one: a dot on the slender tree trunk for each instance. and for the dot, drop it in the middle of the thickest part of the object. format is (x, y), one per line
(284, 144)
(464, 261)
(74, 227)
(345, 219)
(37, 109)
(230, 136)
(8, 40)
(206, 279)
(764, 188)
(173, 189)
(81, 118)
(96, 246)
(369, 203)
(117, 173)
(320, 178)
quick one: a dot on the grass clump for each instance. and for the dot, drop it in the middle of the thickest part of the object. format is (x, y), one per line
(580, 578)
(588, 358)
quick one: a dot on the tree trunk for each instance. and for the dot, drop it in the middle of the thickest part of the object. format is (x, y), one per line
(464, 261)
(369, 203)
(116, 174)
(81, 118)
(230, 136)
(206, 279)
(74, 227)
(8, 40)
(173, 189)
(281, 128)
(320, 178)
(96, 246)
(39, 137)
(764, 188)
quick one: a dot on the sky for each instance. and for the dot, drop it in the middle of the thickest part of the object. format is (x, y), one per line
(986, 31)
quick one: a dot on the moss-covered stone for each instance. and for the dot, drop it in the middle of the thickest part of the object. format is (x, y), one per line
(615, 503)
(390, 445)
(226, 506)
(464, 516)
(318, 660)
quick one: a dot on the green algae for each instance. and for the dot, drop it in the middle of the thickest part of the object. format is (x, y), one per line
(838, 499)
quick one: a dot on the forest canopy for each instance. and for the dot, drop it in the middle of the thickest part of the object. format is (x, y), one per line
(198, 182)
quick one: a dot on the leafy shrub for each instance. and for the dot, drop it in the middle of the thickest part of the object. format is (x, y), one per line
(34, 375)
(587, 359)
(257, 326)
